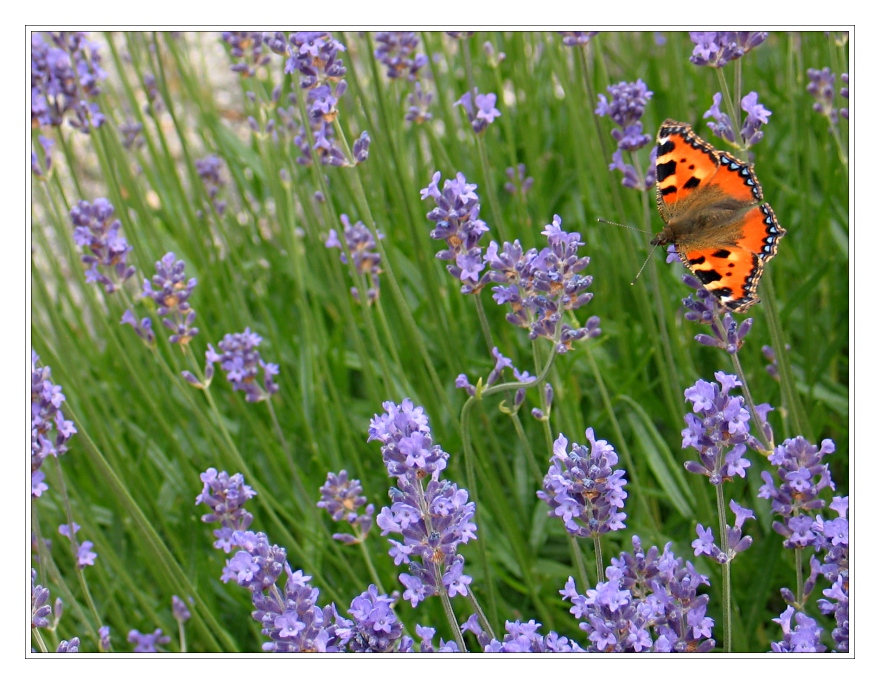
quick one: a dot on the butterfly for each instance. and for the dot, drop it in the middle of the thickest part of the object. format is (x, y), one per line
(712, 207)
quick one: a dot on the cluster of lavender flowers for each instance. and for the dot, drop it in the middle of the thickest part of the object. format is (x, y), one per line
(577, 38)
(717, 48)
(750, 133)
(95, 228)
(315, 56)
(538, 286)
(736, 543)
(209, 171)
(479, 108)
(649, 603)
(520, 638)
(719, 429)
(821, 87)
(397, 50)
(149, 642)
(541, 286)
(458, 222)
(291, 617)
(626, 107)
(433, 518)
(583, 489)
(241, 361)
(801, 476)
(703, 307)
(41, 609)
(65, 78)
(361, 245)
(42, 168)
(50, 430)
(84, 554)
(248, 48)
(172, 297)
(342, 498)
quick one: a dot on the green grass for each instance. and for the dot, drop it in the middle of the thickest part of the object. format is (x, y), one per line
(145, 435)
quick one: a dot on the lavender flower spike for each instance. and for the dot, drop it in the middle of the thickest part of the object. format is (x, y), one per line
(241, 361)
(342, 499)
(95, 228)
(50, 430)
(432, 516)
(582, 488)
(171, 296)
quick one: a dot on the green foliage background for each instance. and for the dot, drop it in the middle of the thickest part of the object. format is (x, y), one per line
(132, 472)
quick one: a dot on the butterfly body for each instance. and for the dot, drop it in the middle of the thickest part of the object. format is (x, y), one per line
(712, 206)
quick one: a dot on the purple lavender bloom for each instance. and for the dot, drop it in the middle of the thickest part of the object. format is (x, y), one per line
(668, 585)
(361, 148)
(71, 646)
(361, 245)
(722, 126)
(179, 610)
(541, 286)
(576, 38)
(342, 498)
(717, 48)
(626, 107)
(432, 519)
(521, 638)
(376, 628)
(50, 431)
(458, 222)
(833, 537)
(459, 35)
(95, 228)
(397, 50)
(147, 643)
(209, 171)
(426, 645)
(171, 296)
(821, 87)
(257, 565)
(419, 102)
(480, 109)
(290, 619)
(37, 167)
(802, 475)
(719, 429)
(143, 327)
(582, 488)
(704, 307)
(756, 115)
(226, 496)
(41, 609)
(131, 134)
(241, 361)
(154, 97)
(315, 55)
(804, 638)
(770, 355)
(518, 181)
(844, 93)
(104, 639)
(65, 78)
(705, 544)
(246, 47)
(295, 623)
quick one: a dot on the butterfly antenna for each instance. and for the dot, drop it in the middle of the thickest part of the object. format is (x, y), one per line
(643, 265)
(623, 225)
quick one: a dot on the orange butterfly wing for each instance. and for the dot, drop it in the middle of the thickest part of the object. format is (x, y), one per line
(710, 203)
